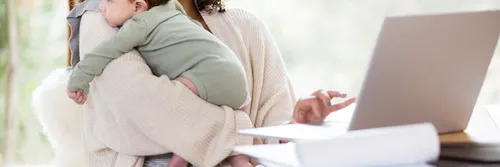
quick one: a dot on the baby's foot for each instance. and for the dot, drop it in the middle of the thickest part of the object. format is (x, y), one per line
(240, 161)
(177, 161)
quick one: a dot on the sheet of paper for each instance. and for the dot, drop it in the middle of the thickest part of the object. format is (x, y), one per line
(294, 132)
(336, 124)
(494, 111)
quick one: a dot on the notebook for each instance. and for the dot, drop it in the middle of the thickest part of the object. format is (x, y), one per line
(474, 152)
(483, 153)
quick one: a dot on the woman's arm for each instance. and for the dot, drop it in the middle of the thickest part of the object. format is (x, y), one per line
(277, 99)
(155, 112)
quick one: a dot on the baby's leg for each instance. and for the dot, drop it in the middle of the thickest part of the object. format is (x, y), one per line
(240, 161)
(177, 161)
(190, 85)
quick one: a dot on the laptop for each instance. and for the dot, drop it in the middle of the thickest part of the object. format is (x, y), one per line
(425, 68)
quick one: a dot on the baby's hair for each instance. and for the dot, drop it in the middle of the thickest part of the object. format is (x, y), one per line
(154, 3)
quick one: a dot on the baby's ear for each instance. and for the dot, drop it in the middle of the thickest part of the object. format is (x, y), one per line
(141, 6)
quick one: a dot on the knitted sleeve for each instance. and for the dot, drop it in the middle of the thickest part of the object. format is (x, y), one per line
(276, 96)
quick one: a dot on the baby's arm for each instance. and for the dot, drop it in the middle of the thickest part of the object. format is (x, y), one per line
(132, 34)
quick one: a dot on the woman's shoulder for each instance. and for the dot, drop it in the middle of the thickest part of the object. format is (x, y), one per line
(239, 17)
(240, 13)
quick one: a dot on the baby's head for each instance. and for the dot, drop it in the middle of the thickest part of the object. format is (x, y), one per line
(117, 12)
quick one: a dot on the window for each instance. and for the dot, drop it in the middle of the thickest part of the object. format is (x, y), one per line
(334, 40)
(331, 39)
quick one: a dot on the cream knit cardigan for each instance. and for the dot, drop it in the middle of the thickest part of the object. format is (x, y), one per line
(131, 113)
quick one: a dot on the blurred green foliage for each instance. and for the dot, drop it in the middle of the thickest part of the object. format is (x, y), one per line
(42, 43)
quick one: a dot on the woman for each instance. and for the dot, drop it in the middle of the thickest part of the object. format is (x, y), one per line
(131, 114)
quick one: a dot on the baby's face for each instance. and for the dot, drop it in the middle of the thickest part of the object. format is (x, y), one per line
(117, 12)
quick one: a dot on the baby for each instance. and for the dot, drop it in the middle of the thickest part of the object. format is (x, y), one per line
(173, 45)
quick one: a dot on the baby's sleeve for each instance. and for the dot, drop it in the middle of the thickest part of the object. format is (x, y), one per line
(132, 34)
(79, 80)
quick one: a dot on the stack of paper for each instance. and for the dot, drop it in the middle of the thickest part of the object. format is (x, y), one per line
(313, 146)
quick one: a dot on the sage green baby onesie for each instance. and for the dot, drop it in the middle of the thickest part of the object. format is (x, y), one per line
(175, 46)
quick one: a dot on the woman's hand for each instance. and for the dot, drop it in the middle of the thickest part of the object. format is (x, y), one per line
(314, 109)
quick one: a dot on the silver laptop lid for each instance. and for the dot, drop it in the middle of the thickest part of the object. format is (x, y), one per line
(427, 68)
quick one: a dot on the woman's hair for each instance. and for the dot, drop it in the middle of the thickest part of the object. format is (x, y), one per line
(210, 5)
(202, 5)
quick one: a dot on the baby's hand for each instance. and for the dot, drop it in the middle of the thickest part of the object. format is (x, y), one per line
(78, 96)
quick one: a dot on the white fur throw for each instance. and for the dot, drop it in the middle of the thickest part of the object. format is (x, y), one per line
(61, 120)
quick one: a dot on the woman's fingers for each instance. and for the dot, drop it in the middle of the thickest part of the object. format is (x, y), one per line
(324, 98)
(339, 106)
(334, 94)
(306, 109)
(327, 96)
(308, 104)
(314, 109)
(318, 108)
